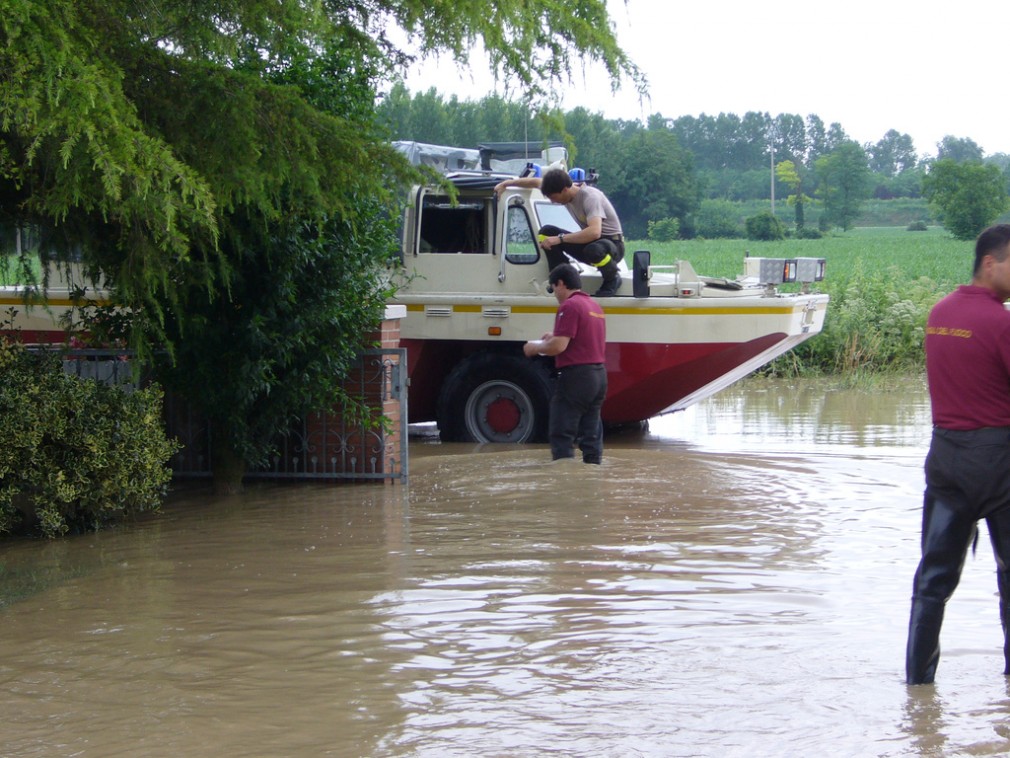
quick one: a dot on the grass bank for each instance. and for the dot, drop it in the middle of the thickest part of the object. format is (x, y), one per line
(882, 282)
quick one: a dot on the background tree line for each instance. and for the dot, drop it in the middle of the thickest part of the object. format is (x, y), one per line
(701, 170)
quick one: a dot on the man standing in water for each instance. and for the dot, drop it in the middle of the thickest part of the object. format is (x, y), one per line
(968, 464)
(577, 343)
(600, 241)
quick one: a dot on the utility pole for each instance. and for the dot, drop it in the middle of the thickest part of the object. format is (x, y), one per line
(771, 150)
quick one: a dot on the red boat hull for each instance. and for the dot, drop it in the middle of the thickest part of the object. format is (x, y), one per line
(644, 379)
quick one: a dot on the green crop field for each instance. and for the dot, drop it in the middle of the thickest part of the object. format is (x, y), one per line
(933, 254)
(882, 282)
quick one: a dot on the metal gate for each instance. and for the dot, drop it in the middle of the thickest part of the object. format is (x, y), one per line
(320, 447)
(327, 446)
(323, 446)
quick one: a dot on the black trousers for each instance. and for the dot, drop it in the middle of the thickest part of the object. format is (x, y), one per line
(575, 412)
(597, 253)
(967, 479)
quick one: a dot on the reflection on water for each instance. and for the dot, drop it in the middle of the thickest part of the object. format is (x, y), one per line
(732, 581)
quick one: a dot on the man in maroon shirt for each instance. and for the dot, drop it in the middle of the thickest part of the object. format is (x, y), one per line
(577, 343)
(968, 464)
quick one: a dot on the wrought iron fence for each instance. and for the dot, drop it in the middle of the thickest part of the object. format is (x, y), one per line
(109, 366)
(322, 446)
(326, 446)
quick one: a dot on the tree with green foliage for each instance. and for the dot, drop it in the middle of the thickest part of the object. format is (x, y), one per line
(966, 197)
(596, 140)
(730, 153)
(787, 173)
(907, 184)
(283, 334)
(429, 117)
(892, 154)
(958, 149)
(843, 183)
(183, 150)
(817, 139)
(653, 179)
(894, 165)
(725, 141)
(1002, 162)
(789, 135)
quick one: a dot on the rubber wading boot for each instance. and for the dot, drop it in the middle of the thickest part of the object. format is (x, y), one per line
(923, 652)
(946, 537)
(611, 280)
(1003, 582)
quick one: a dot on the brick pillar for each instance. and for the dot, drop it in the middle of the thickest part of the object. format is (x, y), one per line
(371, 451)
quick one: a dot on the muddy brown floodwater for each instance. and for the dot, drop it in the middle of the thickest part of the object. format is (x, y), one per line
(732, 582)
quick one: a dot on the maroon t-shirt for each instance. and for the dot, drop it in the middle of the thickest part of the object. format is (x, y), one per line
(581, 319)
(968, 360)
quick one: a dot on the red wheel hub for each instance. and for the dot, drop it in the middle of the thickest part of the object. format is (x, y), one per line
(503, 415)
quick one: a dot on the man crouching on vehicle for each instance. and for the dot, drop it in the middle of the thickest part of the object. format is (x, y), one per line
(578, 344)
(600, 241)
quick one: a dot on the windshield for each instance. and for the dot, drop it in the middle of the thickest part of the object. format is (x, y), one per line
(556, 215)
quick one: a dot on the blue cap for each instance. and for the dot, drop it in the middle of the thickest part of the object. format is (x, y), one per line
(577, 175)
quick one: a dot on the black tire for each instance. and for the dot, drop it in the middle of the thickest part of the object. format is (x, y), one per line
(491, 397)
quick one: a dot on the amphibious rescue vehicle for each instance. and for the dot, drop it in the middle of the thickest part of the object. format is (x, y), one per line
(474, 283)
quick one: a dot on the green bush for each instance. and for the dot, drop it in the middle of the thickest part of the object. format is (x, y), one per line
(764, 226)
(718, 219)
(807, 233)
(876, 323)
(664, 230)
(918, 226)
(77, 454)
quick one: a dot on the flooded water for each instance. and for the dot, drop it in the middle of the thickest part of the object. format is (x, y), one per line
(732, 582)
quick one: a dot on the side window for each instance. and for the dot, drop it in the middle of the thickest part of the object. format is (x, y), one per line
(520, 245)
(447, 228)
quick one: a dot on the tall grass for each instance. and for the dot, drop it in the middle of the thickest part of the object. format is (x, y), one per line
(882, 282)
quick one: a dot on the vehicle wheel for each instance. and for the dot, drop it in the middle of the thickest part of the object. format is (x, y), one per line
(490, 397)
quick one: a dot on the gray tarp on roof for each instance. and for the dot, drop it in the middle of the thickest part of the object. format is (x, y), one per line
(510, 151)
(439, 156)
(504, 157)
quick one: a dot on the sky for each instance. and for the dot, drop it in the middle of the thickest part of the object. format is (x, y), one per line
(927, 69)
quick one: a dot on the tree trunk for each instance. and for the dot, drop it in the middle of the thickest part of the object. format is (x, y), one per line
(228, 466)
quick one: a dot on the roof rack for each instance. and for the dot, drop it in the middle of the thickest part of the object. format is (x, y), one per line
(503, 157)
(521, 153)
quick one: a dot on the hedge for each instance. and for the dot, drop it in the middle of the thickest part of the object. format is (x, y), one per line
(77, 454)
